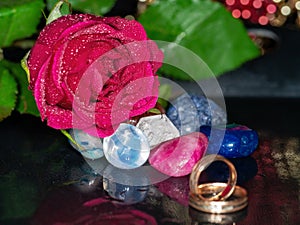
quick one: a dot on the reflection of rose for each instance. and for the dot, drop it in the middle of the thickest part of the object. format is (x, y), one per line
(133, 216)
(85, 49)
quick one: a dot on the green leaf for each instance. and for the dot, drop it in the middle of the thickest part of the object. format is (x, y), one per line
(61, 8)
(8, 93)
(1, 54)
(165, 92)
(18, 19)
(25, 102)
(68, 135)
(203, 26)
(25, 66)
(87, 6)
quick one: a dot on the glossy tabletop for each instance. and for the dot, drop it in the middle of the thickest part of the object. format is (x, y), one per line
(43, 180)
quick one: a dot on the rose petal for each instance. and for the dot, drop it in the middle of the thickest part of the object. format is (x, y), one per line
(44, 45)
(101, 72)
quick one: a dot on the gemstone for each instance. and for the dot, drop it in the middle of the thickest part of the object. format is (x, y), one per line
(177, 157)
(125, 193)
(157, 129)
(238, 141)
(127, 147)
(189, 112)
(89, 146)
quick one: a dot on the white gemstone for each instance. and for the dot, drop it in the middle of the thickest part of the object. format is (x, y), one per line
(89, 146)
(157, 129)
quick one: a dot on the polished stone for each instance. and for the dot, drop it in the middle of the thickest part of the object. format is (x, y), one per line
(238, 141)
(157, 128)
(189, 112)
(89, 146)
(177, 157)
(127, 148)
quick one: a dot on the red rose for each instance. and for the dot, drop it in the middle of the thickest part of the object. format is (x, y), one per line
(91, 73)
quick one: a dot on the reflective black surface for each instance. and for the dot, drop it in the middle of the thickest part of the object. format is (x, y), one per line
(44, 181)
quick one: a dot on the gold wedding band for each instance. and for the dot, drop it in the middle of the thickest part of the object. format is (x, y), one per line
(237, 201)
(226, 190)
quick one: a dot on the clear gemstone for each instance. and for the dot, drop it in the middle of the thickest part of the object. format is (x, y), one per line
(127, 148)
(89, 146)
(157, 129)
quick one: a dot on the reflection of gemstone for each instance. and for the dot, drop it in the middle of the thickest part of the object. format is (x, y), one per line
(127, 148)
(189, 112)
(239, 141)
(157, 128)
(125, 193)
(177, 188)
(89, 146)
(177, 157)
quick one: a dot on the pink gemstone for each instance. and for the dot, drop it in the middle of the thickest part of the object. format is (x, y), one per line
(177, 157)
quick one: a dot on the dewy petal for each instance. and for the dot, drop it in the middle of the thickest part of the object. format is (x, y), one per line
(76, 60)
(59, 118)
(95, 80)
(127, 27)
(58, 26)
(54, 92)
(129, 96)
(40, 92)
(49, 37)
(37, 58)
(83, 116)
(56, 117)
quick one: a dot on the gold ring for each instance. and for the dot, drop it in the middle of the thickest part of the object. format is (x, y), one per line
(201, 166)
(237, 201)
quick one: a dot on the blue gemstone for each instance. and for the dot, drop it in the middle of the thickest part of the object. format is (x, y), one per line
(189, 112)
(125, 193)
(127, 148)
(238, 141)
(89, 146)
